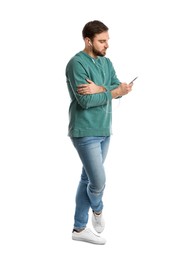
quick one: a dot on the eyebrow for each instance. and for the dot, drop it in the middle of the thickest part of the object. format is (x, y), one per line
(103, 40)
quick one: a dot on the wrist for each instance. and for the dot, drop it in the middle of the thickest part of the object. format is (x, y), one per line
(116, 93)
(102, 89)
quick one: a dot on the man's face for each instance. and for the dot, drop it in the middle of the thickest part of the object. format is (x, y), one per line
(100, 44)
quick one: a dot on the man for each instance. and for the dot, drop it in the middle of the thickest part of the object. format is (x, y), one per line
(92, 84)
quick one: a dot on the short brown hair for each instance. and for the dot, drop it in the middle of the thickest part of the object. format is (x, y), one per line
(92, 28)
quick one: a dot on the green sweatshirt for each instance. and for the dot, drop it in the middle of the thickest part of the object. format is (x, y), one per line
(90, 115)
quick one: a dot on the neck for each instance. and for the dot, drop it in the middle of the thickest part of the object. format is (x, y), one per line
(90, 53)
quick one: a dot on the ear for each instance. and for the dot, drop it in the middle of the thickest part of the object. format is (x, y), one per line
(89, 41)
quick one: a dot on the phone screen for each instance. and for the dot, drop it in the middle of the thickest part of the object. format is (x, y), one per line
(133, 80)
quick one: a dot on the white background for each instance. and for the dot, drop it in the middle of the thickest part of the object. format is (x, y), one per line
(149, 194)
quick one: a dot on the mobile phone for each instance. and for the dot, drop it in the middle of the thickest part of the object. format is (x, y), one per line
(133, 80)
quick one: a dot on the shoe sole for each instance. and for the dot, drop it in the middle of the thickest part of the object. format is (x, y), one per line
(88, 241)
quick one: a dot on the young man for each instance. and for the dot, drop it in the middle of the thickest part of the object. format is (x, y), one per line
(92, 84)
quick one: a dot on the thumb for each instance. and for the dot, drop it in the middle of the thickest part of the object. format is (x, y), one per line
(89, 81)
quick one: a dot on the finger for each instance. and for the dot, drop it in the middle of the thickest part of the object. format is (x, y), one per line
(82, 86)
(89, 81)
(81, 91)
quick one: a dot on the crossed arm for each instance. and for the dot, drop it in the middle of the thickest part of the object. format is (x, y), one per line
(92, 88)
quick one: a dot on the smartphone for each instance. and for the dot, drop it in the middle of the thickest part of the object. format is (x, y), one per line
(133, 80)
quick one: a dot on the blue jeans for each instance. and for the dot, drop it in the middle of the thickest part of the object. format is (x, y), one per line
(92, 152)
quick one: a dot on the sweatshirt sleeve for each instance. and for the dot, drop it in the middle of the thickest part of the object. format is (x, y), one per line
(76, 75)
(115, 82)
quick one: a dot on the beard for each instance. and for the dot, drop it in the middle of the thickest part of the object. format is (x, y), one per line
(98, 53)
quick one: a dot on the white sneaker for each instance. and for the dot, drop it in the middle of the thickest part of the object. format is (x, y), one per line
(98, 222)
(88, 236)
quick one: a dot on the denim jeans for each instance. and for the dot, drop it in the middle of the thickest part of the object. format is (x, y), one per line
(92, 152)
